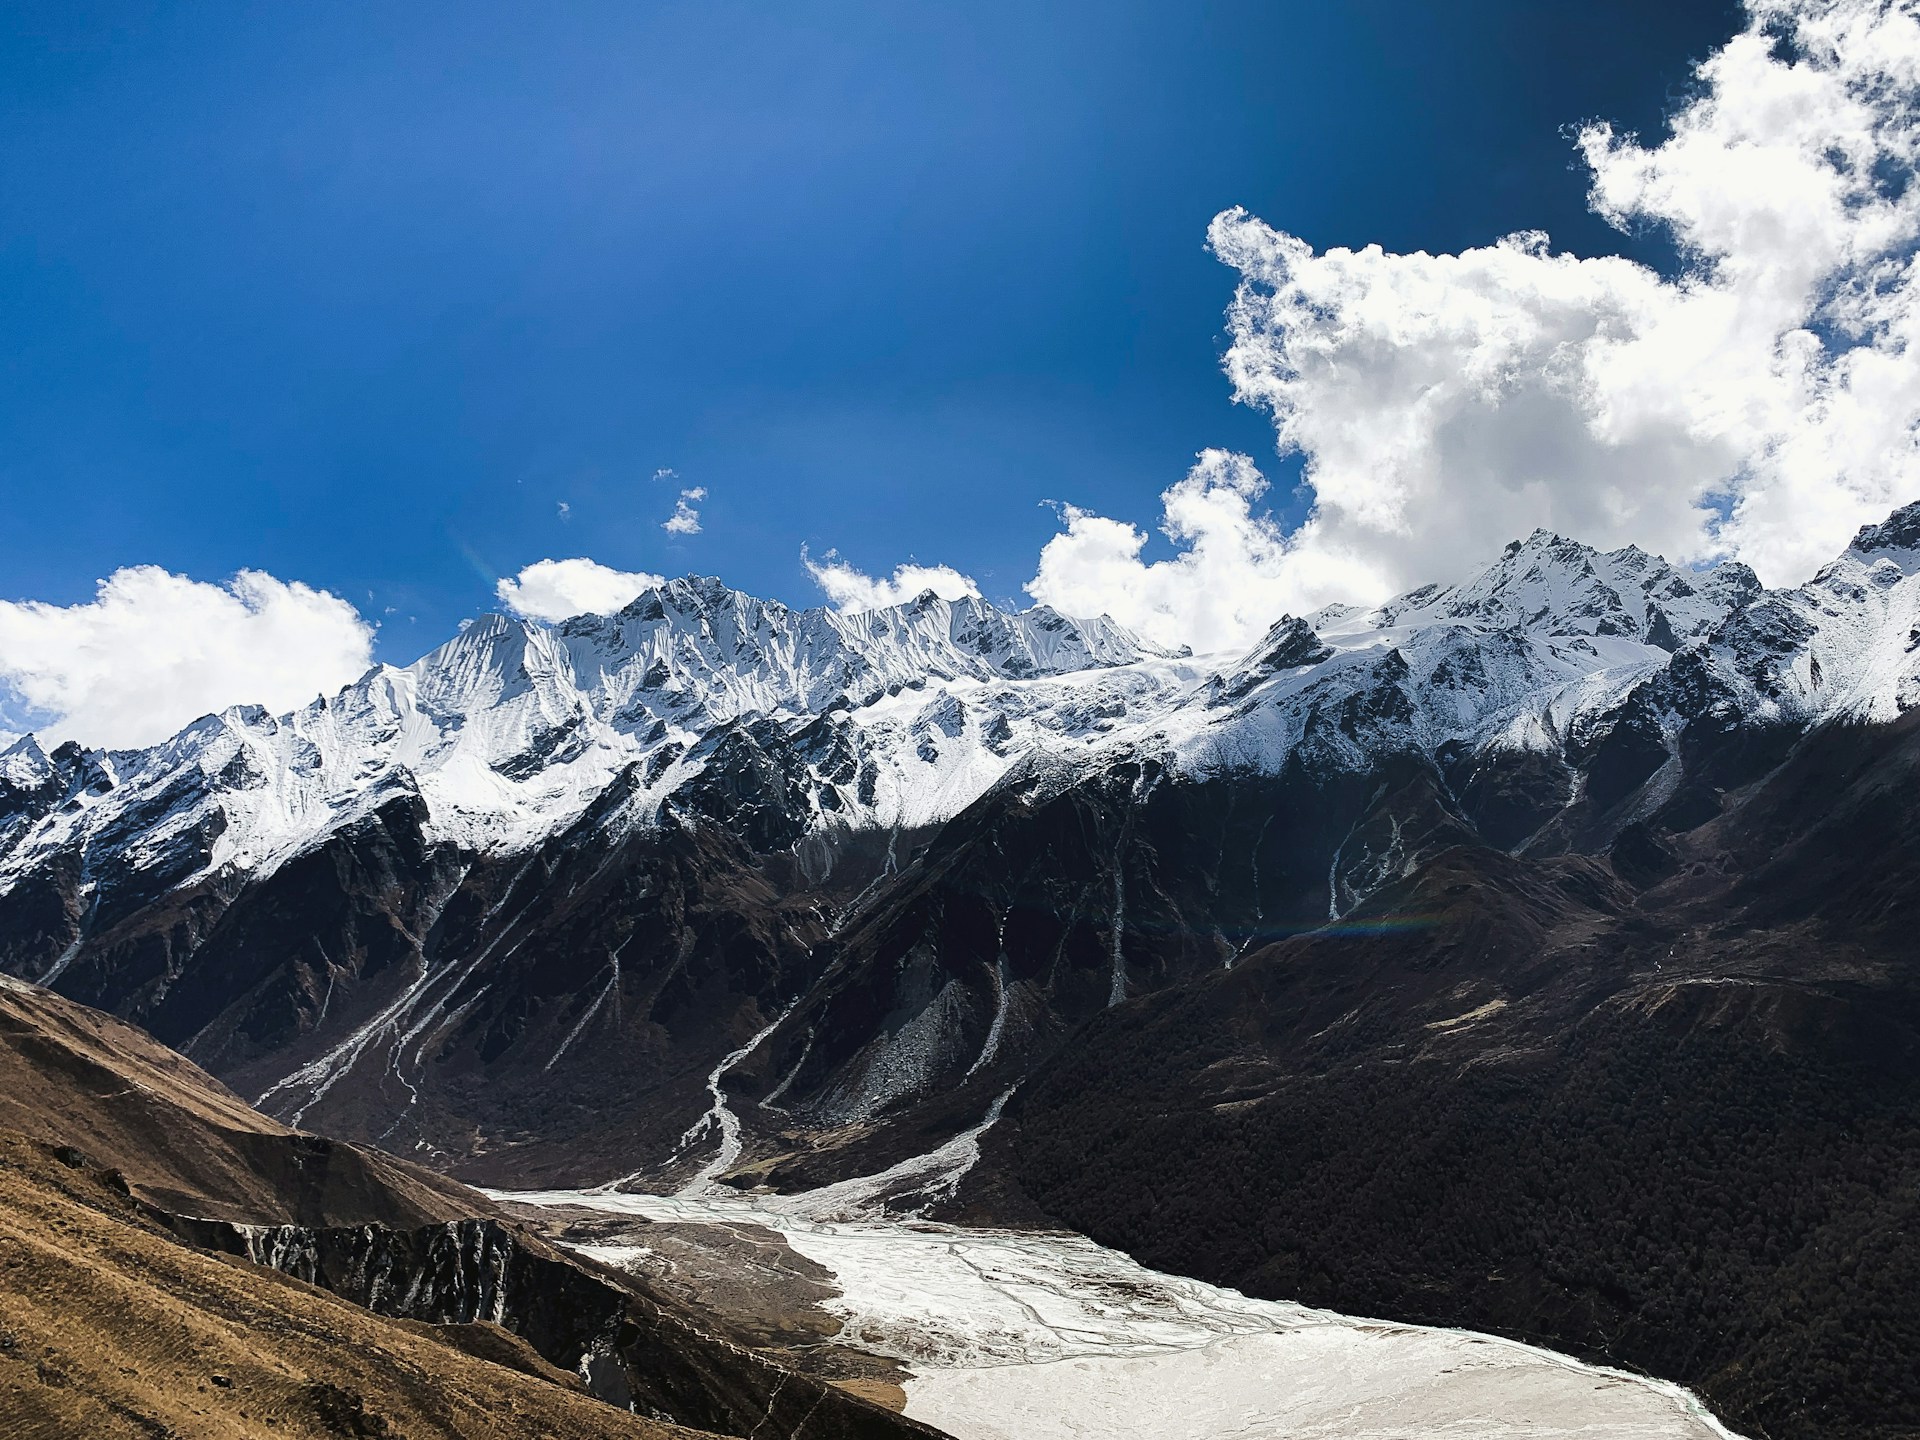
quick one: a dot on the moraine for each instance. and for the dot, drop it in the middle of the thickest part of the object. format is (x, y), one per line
(1048, 1336)
(1045, 1335)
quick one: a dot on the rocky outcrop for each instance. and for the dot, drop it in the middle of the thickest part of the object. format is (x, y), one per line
(627, 1349)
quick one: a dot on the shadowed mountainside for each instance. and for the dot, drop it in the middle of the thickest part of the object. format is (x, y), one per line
(1672, 1122)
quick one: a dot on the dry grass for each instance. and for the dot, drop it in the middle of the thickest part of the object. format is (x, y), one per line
(70, 1075)
(110, 1328)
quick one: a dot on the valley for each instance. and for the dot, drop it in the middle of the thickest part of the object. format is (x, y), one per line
(1007, 1333)
(1527, 957)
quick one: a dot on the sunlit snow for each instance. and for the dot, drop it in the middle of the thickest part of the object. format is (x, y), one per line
(902, 717)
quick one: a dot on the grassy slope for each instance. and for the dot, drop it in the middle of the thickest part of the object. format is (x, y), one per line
(111, 1328)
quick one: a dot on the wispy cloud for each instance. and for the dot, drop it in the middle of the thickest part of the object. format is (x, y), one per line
(685, 520)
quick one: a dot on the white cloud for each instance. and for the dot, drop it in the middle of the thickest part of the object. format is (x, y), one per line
(685, 520)
(565, 510)
(850, 589)
(155, 651)
(561, 589)
(1763, 404)
(1234, 573)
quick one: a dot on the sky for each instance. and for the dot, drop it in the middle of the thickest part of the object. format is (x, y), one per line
(327, 327)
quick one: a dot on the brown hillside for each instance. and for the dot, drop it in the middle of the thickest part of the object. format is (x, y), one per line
(111, 1328)
(71, 1075)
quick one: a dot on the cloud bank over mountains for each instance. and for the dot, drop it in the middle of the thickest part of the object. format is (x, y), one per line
(1233, 574)
(153, 651)
(1762, 404)
(849, 589)
(558, 589)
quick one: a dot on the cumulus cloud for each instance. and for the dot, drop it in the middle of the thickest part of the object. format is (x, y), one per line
(685, 520)
(154, 651)
(1234, 573)
(1762, 404)
(850, 589)
(561, 589)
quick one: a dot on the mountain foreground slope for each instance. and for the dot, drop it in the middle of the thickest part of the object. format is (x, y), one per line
(1531, 952)
(225, 1276)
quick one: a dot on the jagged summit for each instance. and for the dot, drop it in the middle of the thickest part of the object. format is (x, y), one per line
(1556, 586)
(509, 729)
(902, 716)
(802, 659)
(24, 764)
(1899, 532)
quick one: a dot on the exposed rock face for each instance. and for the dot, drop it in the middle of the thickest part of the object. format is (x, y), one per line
(630, 1352)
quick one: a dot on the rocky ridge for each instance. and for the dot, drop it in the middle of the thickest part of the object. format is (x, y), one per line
(645, 835)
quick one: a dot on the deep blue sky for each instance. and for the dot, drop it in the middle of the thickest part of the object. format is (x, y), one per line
(358, 293)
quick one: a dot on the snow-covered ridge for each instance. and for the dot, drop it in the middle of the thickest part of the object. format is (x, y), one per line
(1554, 586)
(1846, 644)
(509, 731)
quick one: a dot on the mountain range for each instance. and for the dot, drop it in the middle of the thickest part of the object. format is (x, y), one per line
(1532, 952)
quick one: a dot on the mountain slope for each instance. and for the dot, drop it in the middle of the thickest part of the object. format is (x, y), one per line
(498, 861)
(1474, 882)
(1673, 1126)
(74, 1077)
(413, 1307)
(110, 1327)
(644, 837)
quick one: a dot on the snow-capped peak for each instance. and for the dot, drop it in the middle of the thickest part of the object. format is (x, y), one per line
(904, 715)
(1895, 539)
(1555, 586)
(24, 765)
(512, 728)
(1845, 644)
(695, 648)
